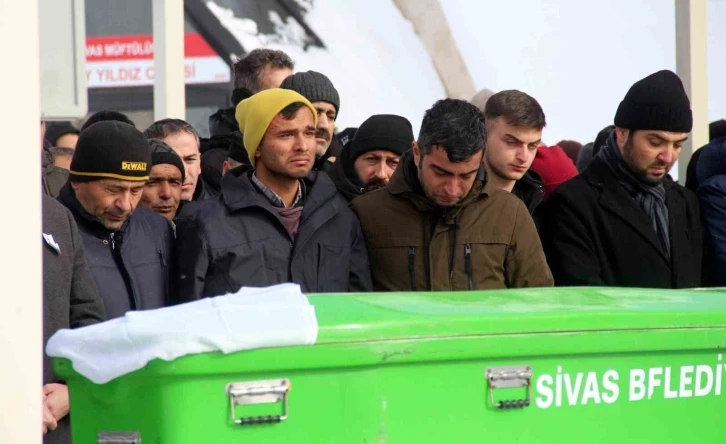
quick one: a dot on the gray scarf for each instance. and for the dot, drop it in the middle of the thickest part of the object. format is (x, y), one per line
(649, 198)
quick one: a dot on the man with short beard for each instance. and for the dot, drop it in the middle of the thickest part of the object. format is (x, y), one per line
(372, 156)
(319, 90)
(274, 221)
(623, 222)
(127, 247)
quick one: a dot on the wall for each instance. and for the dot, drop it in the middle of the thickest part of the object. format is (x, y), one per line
(578, 58)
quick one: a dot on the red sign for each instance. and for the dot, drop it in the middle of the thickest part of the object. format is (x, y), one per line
(118, 61)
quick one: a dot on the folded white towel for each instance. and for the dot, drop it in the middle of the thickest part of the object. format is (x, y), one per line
(251, 318)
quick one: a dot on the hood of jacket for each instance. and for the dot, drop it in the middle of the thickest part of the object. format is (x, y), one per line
(345, 178)
(712, 160)
(530, 189)
(405, 183)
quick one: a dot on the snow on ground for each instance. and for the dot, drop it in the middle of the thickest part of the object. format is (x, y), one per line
(373, 56)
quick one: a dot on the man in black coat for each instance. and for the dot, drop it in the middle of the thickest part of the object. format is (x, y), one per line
(369, 161)
(623, 222)
(275, 221)
(70, 300)
(127, 247)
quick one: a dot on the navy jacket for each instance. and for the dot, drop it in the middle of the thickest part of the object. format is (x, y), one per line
(711, 174)
(131, 265)
(237, 239)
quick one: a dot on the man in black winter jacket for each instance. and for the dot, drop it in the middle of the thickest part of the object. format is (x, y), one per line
(275, 221)
(372, 156)
(514, 124)
(623, 222)
(70, 300)
(127, 247)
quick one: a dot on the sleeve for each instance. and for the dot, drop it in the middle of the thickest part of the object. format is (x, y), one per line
(360, 267)
(570, 251)
(191, 260)
(86, 306)
(526, 265)
(169, 244)
(712, 197)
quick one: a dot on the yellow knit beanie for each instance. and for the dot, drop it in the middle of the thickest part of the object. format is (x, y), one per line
(255, 114)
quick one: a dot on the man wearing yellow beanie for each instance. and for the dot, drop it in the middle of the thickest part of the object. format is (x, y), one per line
(276, 220)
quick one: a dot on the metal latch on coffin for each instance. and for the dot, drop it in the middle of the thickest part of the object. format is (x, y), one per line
(258, 392)
(510, 377)
(118, 438)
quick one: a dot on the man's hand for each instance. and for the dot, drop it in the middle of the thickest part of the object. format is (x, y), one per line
(56, 401)
(49, 422)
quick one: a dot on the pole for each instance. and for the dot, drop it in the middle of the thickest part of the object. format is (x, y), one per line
(169, 94)
(691, 66)
(20, 232)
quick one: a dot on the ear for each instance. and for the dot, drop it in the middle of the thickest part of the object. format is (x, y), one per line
(621, 136)
(75, 185)
(416, 153)
(225, 167)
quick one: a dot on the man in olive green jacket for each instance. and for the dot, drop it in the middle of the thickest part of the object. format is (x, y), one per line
(434, 228)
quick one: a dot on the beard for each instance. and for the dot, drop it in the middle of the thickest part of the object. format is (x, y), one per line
(375, 184)
(642, 173)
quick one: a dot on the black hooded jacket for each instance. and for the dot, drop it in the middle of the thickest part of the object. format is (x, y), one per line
(130, 266)
(530, 189)
(238, 239)
(345, 178)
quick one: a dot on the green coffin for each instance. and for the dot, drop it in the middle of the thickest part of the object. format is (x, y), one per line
(560, 365)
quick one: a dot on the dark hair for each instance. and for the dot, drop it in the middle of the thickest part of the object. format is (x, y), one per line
(455, 125)
(164, 128)
(601, 138)
(56, 130)
(290, 111)
(61, 151)
(248, 71)
(102, 116)
(517, 109)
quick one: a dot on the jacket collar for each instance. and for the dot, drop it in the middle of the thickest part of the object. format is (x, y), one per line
(68, 198)
(238, 192)
(616, 199)
(530, 189)
(405, 183)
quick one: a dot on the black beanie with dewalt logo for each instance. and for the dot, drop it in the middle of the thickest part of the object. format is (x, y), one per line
(111, 150)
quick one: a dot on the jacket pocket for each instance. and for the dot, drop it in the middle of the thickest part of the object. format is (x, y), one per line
(483, 265)
(260, 263)
(333, 272)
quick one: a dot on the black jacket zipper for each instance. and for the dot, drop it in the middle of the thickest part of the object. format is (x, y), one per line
(468, 267)
(411, 267)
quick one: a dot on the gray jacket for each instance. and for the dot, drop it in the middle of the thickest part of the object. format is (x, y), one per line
(70, 297)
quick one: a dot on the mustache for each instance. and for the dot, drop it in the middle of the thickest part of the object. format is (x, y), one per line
(322, 134)
(375, 184)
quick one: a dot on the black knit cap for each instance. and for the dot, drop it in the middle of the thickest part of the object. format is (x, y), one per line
(657, 102)
(382, 132)
(313, 86)
(162, 153)
(111, 150)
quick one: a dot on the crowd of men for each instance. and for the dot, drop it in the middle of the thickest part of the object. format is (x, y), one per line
(138, 220)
